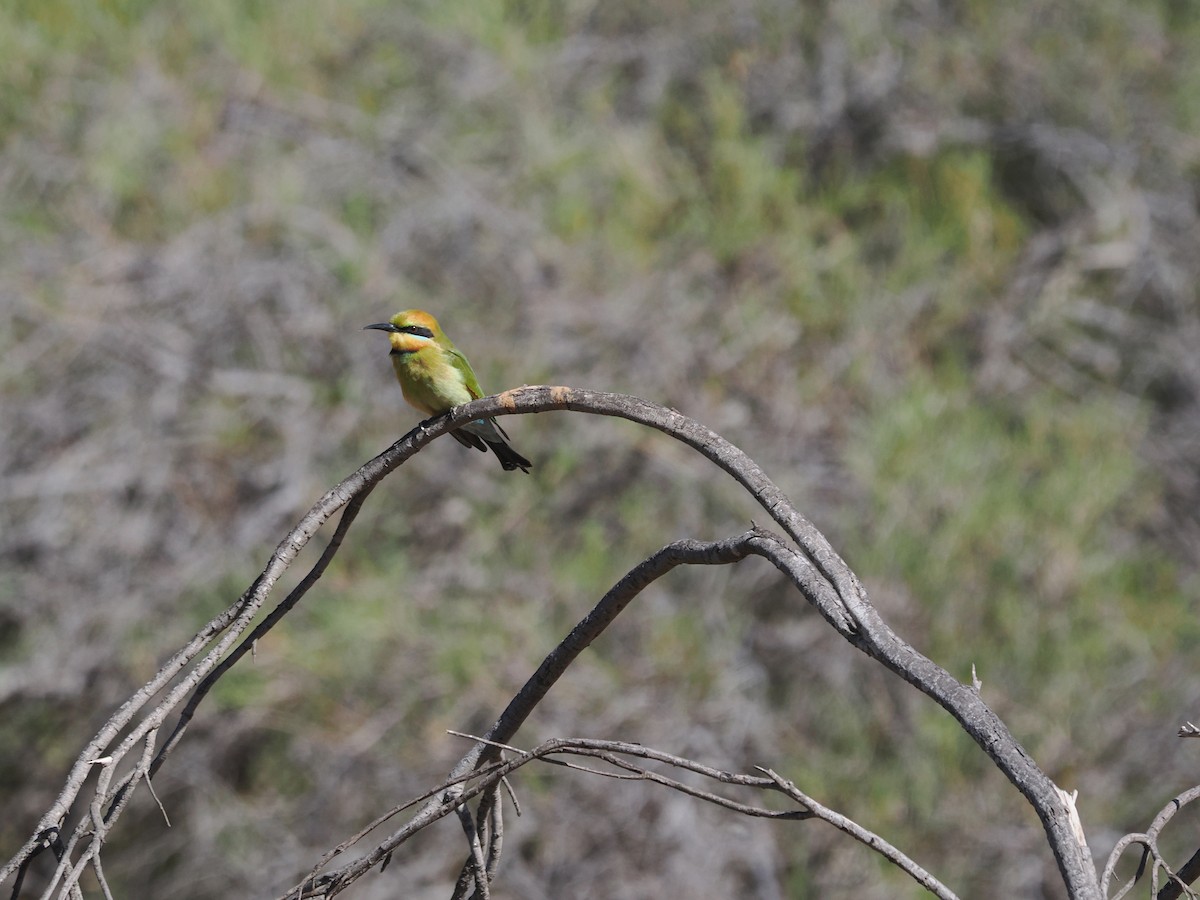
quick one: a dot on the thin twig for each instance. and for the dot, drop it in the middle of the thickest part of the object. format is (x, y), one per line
(99, 870)
(496, 829)
(475, 862)
(512, 795)
(863, 836)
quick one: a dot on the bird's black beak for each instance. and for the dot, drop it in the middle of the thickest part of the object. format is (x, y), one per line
(381, 326)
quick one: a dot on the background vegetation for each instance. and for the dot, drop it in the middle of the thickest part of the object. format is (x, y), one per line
(931, 262)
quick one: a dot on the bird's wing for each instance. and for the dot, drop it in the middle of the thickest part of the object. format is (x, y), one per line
(470, 382)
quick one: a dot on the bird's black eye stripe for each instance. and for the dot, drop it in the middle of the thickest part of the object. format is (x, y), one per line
(418, 330)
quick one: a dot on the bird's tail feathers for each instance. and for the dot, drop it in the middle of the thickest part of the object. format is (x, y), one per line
(494, 437)
(467, 439)
(509, 458)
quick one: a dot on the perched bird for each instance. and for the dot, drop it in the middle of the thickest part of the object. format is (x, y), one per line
(436, 377)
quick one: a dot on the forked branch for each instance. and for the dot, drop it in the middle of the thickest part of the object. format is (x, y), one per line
(1177, 884)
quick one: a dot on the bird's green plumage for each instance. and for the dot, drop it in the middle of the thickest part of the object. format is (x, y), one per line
(435, 379)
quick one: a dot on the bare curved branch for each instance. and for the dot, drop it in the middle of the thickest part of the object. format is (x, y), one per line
(482, 757)
(817, 571)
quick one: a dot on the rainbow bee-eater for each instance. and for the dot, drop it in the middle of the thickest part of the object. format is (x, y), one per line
(435, 377)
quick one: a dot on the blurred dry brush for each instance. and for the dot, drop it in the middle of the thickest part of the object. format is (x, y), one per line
(687, 203)
(804, 556)
(811, 565)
